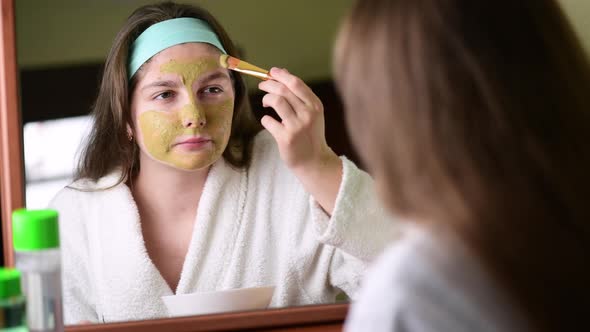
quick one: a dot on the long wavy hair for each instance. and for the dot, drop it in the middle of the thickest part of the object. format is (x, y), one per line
(108, 147)
(475, 117)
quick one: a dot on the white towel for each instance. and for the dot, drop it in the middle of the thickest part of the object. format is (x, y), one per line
(255, 227)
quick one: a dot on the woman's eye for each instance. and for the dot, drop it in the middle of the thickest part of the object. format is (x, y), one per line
(213, 90)
(164, 95)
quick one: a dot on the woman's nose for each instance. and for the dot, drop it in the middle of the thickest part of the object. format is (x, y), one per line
(193, 117)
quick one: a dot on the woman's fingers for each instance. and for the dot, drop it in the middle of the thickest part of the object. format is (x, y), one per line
(303, 105)
(281, 106)
(297, 87)
(277, 88)
(274, 127)
(300, 134)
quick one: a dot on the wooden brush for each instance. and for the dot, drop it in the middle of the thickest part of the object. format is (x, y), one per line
(229, 62)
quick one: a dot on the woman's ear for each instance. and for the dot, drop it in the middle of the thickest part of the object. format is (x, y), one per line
(129, 132)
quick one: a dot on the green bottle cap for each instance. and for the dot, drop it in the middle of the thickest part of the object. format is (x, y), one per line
(9, 283)
(34, 229)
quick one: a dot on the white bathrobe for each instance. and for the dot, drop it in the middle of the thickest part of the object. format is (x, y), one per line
(254, 227)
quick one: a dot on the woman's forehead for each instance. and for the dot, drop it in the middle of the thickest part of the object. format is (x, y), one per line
(199, 58)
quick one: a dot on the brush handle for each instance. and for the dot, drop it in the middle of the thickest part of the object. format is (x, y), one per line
(263, 75)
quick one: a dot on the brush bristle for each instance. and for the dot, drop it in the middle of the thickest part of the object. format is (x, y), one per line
(223, 60)
(228, 61)
(232, 62)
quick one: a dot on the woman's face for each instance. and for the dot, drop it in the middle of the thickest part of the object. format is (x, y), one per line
(182, 107)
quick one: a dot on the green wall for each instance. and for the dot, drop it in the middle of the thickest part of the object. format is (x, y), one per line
(294, 34)
(579, 14)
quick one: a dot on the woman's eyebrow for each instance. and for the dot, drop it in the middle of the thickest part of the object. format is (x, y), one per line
(164, 83)
(217, 74)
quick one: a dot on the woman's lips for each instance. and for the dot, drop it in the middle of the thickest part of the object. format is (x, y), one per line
(194, 143)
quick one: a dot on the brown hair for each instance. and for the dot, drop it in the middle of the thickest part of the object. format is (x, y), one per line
(108, 146)
(474, 115)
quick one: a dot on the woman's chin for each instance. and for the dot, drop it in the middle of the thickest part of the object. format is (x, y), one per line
(194, 164)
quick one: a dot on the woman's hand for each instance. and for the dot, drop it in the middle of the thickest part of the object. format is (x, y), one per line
(300, 135)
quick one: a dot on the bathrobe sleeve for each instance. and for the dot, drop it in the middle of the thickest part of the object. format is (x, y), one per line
(77, 293)
(359, 229)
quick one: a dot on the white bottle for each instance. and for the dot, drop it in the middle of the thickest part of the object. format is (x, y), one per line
(37, 255)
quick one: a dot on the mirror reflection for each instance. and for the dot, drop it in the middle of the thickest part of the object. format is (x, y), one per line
(175, 197)
(186, 201)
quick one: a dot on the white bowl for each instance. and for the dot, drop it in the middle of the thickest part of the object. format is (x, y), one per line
(218, 301)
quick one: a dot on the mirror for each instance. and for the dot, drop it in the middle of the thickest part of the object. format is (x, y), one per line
(11, 163)
(78, 53)
(60, 71)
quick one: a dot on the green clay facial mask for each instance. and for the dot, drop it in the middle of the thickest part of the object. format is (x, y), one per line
(162, 130)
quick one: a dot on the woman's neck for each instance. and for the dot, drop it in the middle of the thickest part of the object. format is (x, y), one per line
(164, 193)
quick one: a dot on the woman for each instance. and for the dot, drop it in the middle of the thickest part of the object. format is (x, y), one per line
(179, 191)
(484, 106)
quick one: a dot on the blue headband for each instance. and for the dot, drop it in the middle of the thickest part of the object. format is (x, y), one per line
(162, 35)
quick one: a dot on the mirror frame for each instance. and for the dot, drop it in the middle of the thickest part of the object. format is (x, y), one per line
(307, 318)
(11, 160)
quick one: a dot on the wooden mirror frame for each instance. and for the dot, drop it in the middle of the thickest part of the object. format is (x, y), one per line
(307, 318)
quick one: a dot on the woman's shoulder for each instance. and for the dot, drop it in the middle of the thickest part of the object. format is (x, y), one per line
(265, 151)
(431, 283)
(81, 190)
(404, 260)
(393, 281)
(264, 142)
(270, 175)
(108, 181)
(87, 202)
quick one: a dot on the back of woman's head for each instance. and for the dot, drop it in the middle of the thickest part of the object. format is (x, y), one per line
(109, 147)
(473, 116)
